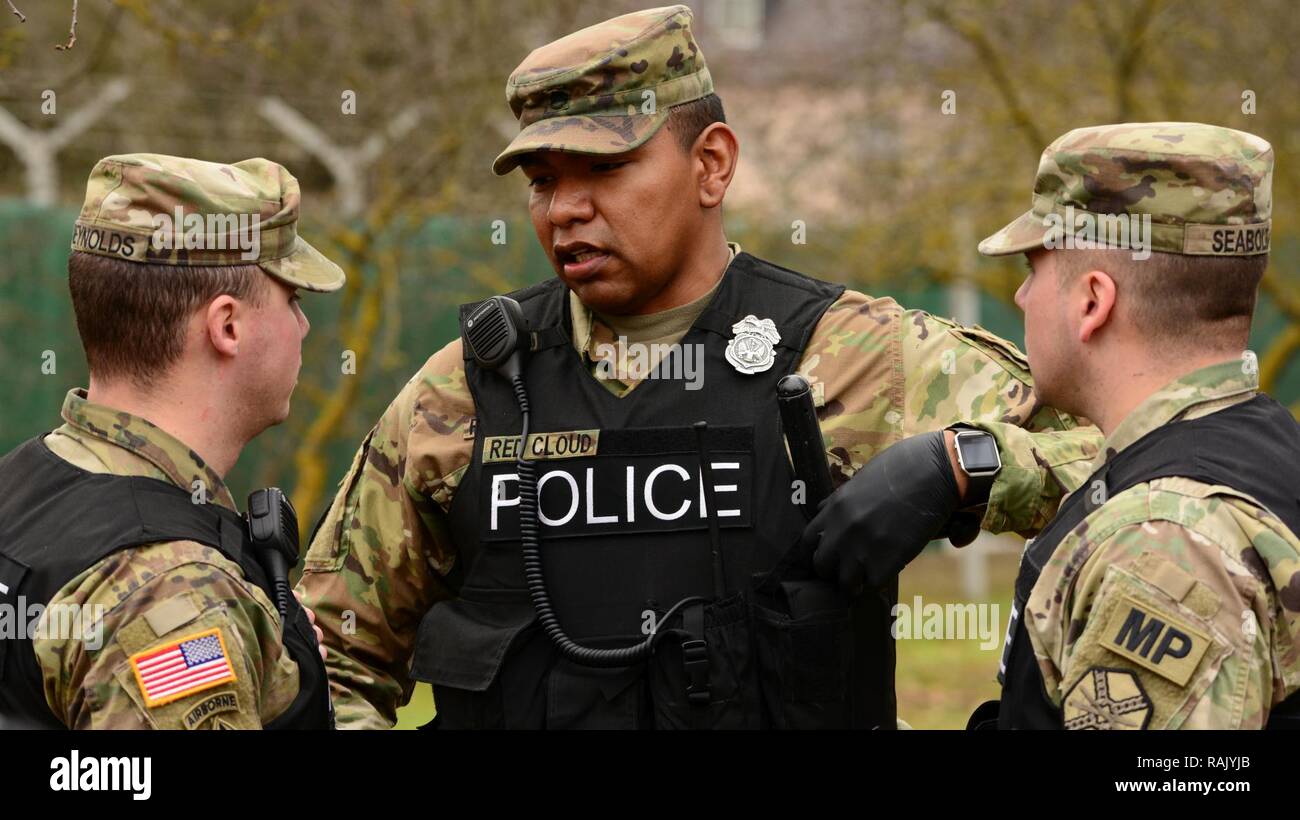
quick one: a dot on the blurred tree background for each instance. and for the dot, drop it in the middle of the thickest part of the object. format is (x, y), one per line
(891, 134)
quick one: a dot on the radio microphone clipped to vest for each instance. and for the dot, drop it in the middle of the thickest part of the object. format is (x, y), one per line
(273, 532)
(273, 529)
(497, 336)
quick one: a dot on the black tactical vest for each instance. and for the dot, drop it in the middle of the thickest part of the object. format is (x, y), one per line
(57, 520)
(1252, 447)
(625, 535)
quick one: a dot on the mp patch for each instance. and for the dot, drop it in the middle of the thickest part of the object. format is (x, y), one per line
(1106, 698)
(1155, 640)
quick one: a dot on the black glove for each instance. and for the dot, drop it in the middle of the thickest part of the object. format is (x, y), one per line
(870, 528)
(963, 527)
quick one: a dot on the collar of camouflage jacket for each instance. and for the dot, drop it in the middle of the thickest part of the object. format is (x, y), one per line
(583, 318)
(1192, 395)
(110, 433)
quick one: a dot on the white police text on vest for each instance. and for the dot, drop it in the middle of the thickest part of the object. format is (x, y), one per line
(594, 496)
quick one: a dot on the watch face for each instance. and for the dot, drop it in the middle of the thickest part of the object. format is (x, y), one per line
(979, 453)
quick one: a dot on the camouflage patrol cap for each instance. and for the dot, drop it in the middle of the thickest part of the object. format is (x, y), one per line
(1206, 190)
(607, 88)
(185, 212)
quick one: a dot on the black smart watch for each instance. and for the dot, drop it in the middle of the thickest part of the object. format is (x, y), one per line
(977, 454)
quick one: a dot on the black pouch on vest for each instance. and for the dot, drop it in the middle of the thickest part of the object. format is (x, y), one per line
(463, 664)
(473, 687)
(695, 686)
(803, 631)
(585, 697)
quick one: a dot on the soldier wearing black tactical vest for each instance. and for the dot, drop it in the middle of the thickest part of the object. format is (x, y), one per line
(140, 599)
(1163, 594)
(649, 525)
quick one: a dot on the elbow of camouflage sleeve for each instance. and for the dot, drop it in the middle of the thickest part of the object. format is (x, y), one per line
(1039, 468)
(361, 701)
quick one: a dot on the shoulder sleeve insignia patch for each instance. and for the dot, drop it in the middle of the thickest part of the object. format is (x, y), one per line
(1155, 640)
(210, 708)
(182, 667)
(1106, 699)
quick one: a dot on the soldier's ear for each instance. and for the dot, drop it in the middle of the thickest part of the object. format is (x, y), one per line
(1095, 301)
(222, 324)
(716, 152)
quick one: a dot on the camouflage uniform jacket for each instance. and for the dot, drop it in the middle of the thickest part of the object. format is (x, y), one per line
(1207, 560)
(156, 595)
(880, 373)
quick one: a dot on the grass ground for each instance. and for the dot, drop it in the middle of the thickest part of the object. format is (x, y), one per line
(939, 681)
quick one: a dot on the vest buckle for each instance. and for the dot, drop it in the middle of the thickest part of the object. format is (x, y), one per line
(695, 658)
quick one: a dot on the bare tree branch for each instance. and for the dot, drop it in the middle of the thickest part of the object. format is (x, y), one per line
(72, 32)
(38, 149)
(101, 46)
(345, 163)
(1126, 61)
(1284, 346)
(991, 59)
(1102, 20)
(1281, 350)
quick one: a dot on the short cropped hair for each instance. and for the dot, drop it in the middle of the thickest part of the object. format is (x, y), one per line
(1182, 301)
(132, 316)
(689, 119)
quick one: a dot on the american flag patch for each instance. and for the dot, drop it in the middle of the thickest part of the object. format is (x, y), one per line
(182, 667)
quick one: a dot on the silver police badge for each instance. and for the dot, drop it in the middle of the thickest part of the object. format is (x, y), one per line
(750, 349)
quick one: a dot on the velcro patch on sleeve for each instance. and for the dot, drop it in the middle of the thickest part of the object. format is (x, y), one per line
(170, 615)
(1155, 640)
(182, 667)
